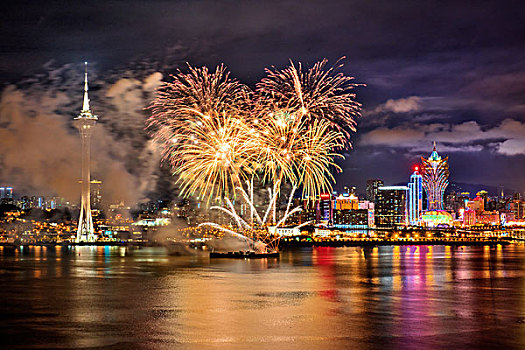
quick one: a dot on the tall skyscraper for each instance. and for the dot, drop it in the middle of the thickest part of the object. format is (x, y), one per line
(85, 122)
(326, 209)
(415, 197)
(96, 194)
(6, 195)
(6, 192)
(435, 179)
(391, 206)
(372, 186)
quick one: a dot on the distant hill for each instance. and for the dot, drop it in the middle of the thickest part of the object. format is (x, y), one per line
(474, 188)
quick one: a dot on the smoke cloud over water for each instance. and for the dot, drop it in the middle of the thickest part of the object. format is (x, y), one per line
(40, 146)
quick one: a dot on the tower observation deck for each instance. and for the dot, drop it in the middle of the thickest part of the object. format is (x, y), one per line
(85, 122)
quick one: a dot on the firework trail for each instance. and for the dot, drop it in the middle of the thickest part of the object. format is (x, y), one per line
(256, 232)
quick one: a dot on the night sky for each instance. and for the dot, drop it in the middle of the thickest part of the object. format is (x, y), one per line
(446, 71)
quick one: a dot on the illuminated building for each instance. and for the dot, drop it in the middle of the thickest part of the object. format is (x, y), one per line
(6, 195)
(85, 122)
(477, 204)
(464, 195)
(469, 217)
(325, 209)
(372, 186)
(350, 190)
(351, 218)
(485, 196)
(349, 212)
(346, 202)
(435, 179)
(6, 192)
(415, 197)
(95, 193)
(436, 218)
(517, 207)
(370, 207)
(391, 206)
(488, 218)
(451, 201)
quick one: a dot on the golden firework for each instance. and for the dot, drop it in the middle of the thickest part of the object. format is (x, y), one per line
(216, 133)
(315, 93)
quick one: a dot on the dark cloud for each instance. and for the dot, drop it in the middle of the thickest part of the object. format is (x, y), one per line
(40, 147)
(448, 71)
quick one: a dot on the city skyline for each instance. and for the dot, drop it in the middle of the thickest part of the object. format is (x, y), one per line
(340, 174)
(495, 191)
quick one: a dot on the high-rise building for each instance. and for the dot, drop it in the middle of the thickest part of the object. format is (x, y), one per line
(85, 122)
(96, 194)
(6, 192)
(435, 179)
(6, 195)
(350, 218)
(477, 204)
(372, 186)
(517, 208)
(391, 206)
(325, 209)
(469, 217)
(415, 197)
(350, 212)
(485, 196)
(370, 207)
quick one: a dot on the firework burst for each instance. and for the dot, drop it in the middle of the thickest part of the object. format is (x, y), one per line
(299, 152)
(199, 119)
(198, 90)
(317, 93)
(216, 133)
(212, 155)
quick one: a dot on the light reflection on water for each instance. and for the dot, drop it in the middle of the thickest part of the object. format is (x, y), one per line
(398, 297)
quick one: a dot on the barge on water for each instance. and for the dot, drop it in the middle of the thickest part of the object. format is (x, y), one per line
(244, 255)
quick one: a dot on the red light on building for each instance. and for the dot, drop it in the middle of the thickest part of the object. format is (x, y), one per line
(416, 168)
(325, 196)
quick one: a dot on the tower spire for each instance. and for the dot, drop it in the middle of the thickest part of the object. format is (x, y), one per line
(85, 105)
(434, 141)
(85, 122)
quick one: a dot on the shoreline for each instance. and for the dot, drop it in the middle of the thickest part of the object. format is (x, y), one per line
(337, 244)
(289, 244)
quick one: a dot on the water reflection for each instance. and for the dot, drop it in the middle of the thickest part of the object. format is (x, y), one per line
(398, 297)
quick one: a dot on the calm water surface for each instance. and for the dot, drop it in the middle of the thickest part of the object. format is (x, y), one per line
(320, 298)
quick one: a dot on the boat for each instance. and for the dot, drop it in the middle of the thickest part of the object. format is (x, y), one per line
(244, 255)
